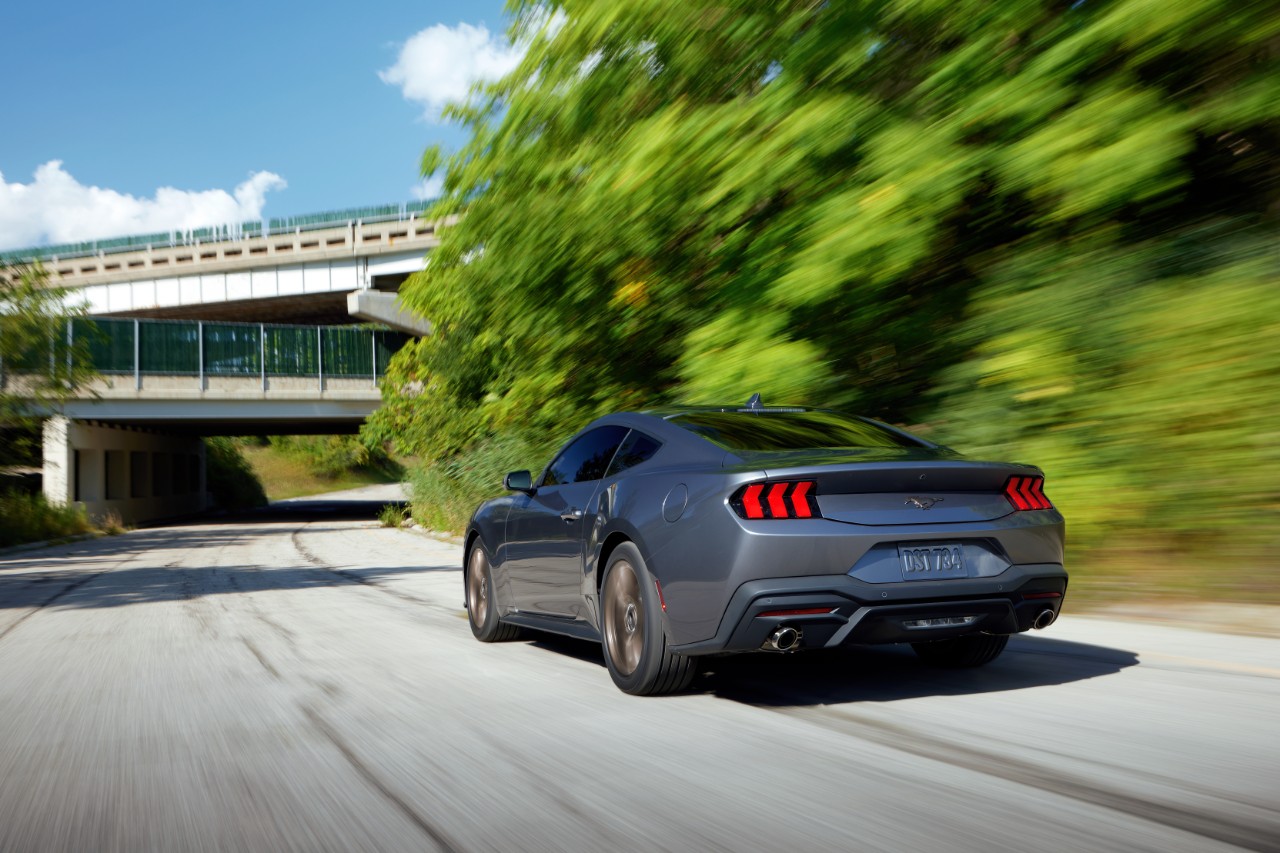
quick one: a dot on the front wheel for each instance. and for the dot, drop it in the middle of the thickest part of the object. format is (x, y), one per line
(962, 652)
(635, 645)
(482, 606)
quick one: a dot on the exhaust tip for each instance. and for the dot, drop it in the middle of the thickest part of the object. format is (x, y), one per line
(1044, 619)
(783, 639)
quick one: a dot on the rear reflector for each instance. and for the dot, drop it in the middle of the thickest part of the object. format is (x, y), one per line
(1027, 493)
(806, 611)
(776, 500)
(1031, 595)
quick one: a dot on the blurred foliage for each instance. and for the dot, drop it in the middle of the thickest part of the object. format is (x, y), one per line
(229, 477)
(446, 491)
(1031, 229)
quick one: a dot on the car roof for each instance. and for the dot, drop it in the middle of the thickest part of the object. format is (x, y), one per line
(667, 413)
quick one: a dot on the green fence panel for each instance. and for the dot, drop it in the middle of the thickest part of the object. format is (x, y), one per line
(169, 347)
(292, 351)
(232, 349)
(348, 352)
(108, 342)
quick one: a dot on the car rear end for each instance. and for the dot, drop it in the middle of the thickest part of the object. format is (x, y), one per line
(900, 542)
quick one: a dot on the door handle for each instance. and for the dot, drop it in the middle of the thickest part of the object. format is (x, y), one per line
(570, 515)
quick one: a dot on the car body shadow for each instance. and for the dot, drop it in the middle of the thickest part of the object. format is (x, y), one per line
(892, 673)
(876, 673)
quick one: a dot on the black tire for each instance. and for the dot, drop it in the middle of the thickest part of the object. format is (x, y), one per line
(635, 643)
(962, 652)
(482, 604)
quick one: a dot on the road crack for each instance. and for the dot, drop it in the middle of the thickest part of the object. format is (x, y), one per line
(319, 563)
(437, 835)
(61, 593)
(262, 659)
(1258, 832)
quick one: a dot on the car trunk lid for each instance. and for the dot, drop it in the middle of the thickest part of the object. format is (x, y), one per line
(902, 487)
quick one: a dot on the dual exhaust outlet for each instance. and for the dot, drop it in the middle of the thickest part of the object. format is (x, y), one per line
(784, 639)
(1044, 619)
(787, 639)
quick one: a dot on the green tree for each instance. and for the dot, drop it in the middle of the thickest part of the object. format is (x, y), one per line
(41, 366)
(1033, 228)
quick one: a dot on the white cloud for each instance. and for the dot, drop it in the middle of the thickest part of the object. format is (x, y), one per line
(428, 188)
(56, 208)
(439, 64)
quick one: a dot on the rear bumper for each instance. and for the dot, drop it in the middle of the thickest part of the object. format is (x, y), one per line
(861, 612)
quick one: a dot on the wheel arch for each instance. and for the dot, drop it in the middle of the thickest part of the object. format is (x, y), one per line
(610, 544)
(472, 535)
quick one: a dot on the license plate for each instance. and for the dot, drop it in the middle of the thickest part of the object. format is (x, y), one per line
(932, 562)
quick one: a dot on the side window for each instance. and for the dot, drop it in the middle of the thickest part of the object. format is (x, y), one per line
(586, 458)
(637, 448)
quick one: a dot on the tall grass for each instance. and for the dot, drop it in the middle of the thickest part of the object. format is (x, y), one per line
(31, 518)
(447, 492)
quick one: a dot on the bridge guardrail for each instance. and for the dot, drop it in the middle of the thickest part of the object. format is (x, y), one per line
(196, 348)
(219, 233)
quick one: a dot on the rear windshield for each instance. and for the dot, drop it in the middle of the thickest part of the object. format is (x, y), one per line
(771, 431)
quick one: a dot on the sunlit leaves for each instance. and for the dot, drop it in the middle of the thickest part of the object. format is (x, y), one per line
(1042, 230)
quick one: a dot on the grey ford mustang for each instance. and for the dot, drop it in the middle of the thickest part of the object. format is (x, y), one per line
(671, 535)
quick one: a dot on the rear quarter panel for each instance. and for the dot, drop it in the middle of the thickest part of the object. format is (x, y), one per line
(692, 556)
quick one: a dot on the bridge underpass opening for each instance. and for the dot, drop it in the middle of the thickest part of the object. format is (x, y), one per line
(131, 445)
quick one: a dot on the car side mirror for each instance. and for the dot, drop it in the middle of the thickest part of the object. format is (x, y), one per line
(518, 481)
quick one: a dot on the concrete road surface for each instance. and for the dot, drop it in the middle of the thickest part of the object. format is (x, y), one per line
(301, 679)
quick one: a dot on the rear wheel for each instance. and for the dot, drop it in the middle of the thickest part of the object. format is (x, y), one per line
(482, 606)
(635, 645)
(962, 652)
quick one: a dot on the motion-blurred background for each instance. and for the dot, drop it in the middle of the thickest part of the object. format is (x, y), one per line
(1039, 231)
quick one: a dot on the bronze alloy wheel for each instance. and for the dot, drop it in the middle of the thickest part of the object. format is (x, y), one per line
(624, 618)
(478, 587)
(482, 600)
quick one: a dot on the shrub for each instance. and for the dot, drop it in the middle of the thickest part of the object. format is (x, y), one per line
(446, 492)
(230, 479)
(31, 518)
(393, 515)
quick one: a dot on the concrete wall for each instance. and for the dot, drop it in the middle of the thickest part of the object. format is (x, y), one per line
(247, 387)
(139, 475)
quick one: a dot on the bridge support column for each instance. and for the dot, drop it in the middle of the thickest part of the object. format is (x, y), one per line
(136, 474)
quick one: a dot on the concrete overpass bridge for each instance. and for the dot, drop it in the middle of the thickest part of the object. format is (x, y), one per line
(319, 269)
(227, 331)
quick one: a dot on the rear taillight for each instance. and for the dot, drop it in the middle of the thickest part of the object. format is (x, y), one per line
(1027, 493)
(793, 499)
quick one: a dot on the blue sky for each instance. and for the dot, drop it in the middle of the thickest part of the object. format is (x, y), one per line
(238, 108)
